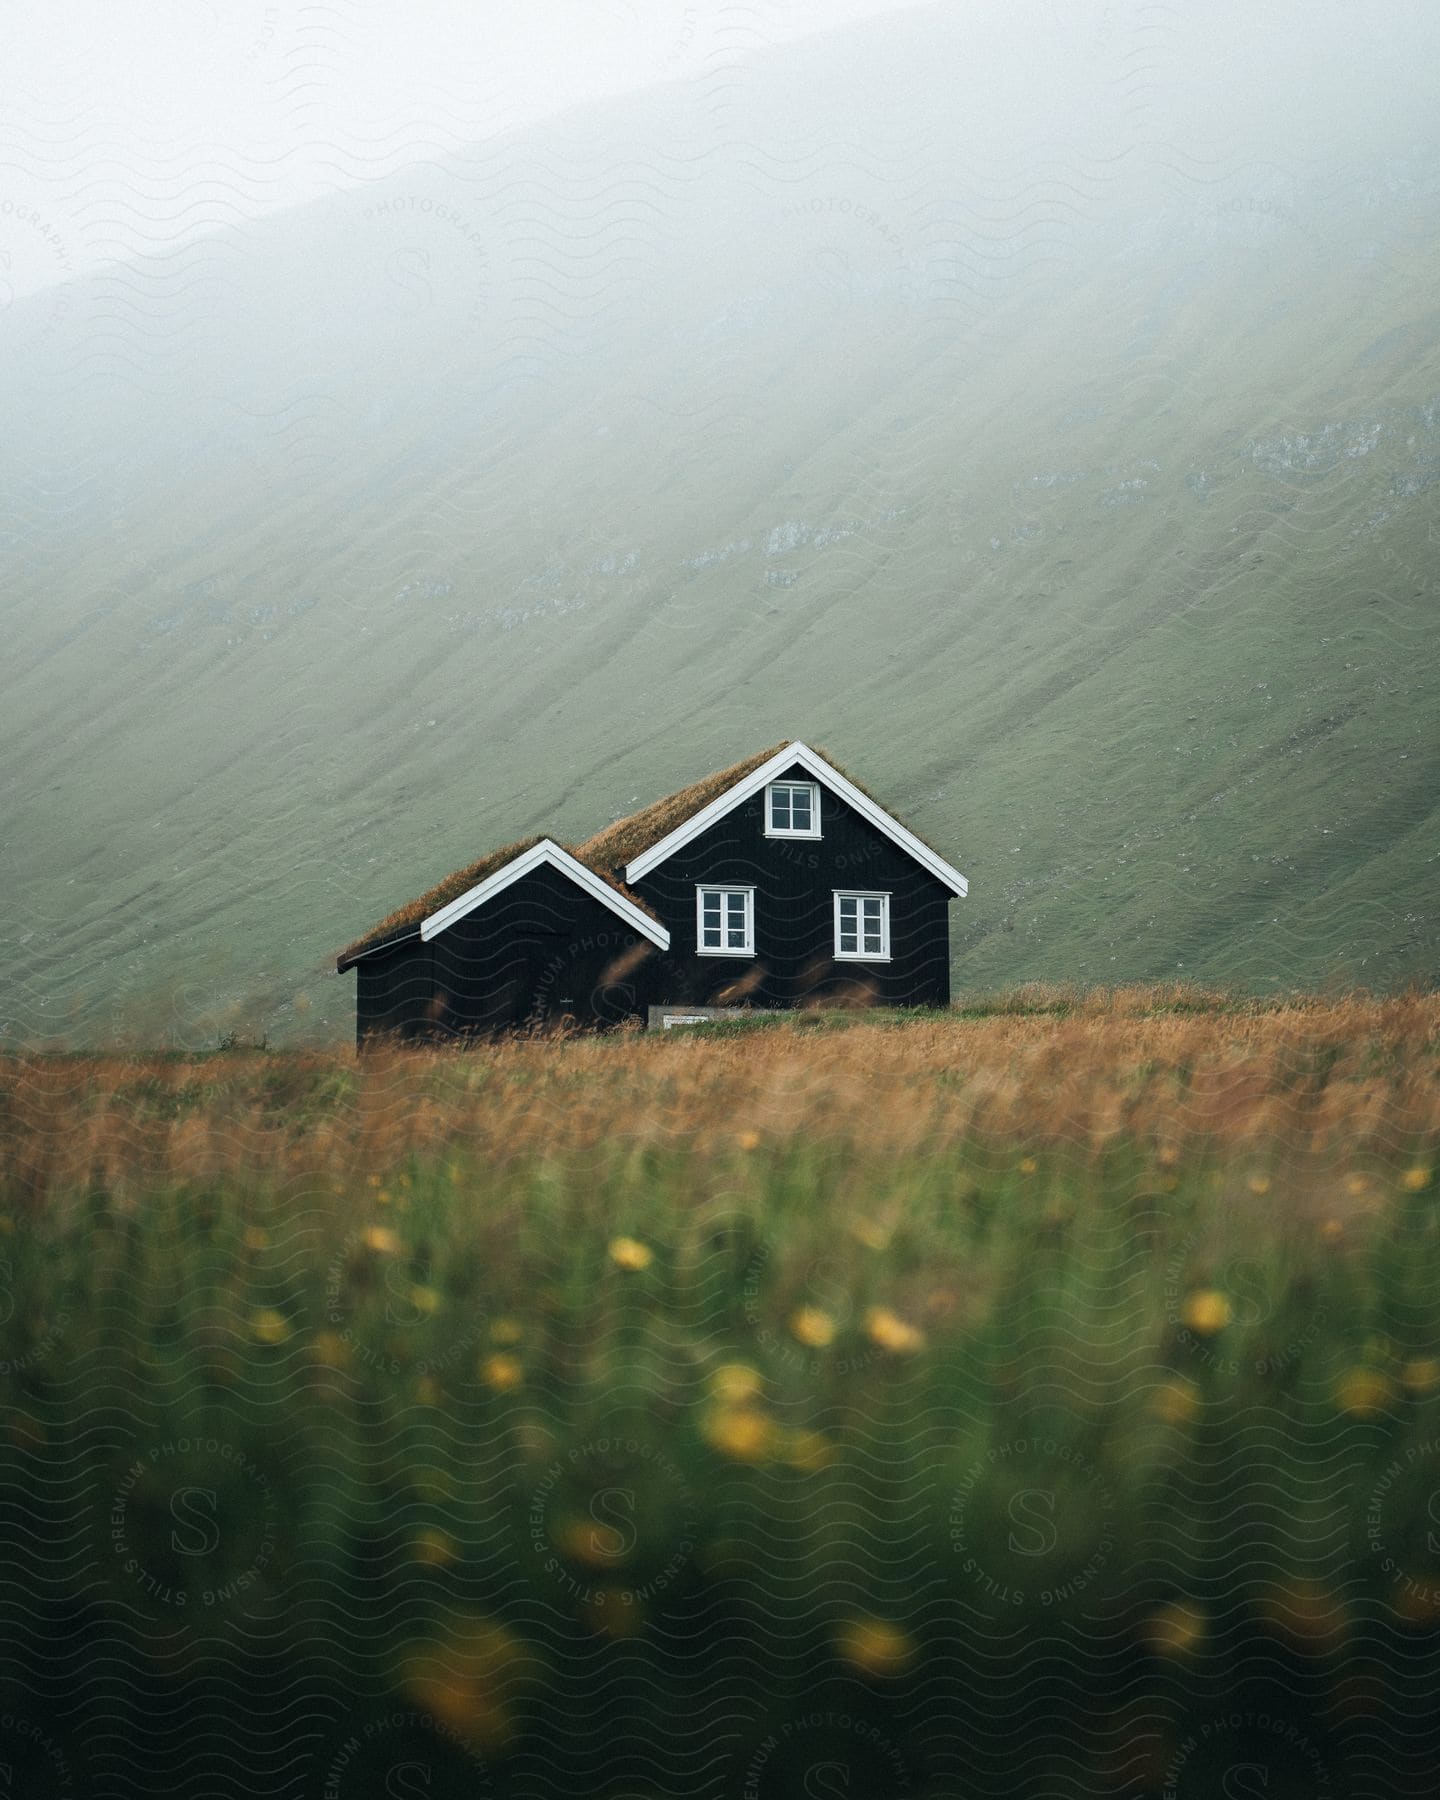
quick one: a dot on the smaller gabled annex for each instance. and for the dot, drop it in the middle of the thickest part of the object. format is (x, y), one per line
(533, 936)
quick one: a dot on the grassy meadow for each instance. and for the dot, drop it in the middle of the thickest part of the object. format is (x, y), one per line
(1042, 1398)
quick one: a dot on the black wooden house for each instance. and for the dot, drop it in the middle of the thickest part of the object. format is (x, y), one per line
(777, 882)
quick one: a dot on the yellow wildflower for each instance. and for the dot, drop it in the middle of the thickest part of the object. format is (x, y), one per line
(502, 1372)
(463, 1680)
(435, 1548)
(1259, 1184)
(740, 1432)
(871, 1233)
(586, 1541)
(427, 1391)
(1206, 1312)
(1332, 1231)
(1364, 1392)
(890, 1332)
(735, 1383)
(269, 1326)
(506, 1331)
(1175, 1630)
(255, 1238)
(875, 1646)
(382, 1240)
(1028, 1165)
(1415, 1179)
(749, 1140)
(424, 1299)
(813, 1327)
(1422, 1375)
(630, 1253)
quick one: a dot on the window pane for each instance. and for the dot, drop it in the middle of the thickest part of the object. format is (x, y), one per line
(848, 943)
(780, 809)
(800, 810)
(848, 904)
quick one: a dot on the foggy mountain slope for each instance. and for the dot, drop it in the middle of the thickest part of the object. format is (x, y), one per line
(1075, 486)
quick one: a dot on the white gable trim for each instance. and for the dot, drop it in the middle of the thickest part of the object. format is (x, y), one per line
(546, 851)
(828, 777)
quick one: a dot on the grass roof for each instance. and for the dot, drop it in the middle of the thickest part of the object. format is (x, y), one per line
(620, 843)
(453, 886)
(627, 838)
(607, 852)
(443, 892)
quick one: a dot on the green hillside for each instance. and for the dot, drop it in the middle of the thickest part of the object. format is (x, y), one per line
(1070, 473)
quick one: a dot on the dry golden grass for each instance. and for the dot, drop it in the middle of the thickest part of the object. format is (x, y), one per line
(1336, 1078)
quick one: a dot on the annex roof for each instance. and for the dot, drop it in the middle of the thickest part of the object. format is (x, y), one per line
(547, 851)
(488, 875)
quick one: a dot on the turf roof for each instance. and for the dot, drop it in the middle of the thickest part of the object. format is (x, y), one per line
(607, 852)
(619, 844)
(443, 892)
(627, 838)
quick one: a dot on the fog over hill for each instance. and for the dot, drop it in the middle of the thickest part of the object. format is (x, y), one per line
(1040, 409)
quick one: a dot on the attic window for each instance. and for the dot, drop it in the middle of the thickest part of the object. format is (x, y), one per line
(862, 927)
(792, 809)
(725, 921)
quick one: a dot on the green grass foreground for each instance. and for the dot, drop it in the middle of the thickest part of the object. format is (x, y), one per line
(1045, 1403)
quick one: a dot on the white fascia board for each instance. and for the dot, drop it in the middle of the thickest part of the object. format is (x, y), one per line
(828, 777)
(546, 851)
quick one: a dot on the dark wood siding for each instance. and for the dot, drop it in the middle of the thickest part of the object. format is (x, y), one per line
(540, 951)
(795, 881)
(394, 991)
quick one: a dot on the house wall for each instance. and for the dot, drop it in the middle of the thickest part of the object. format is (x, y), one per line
(393, 991)
(540, 950)
(795, 881)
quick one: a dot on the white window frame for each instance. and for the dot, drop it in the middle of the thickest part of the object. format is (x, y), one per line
(785, 831)
(724, 887)
(863, 955)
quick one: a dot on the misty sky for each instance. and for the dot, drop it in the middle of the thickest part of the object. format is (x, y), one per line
(129, 129)
(129, 126)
